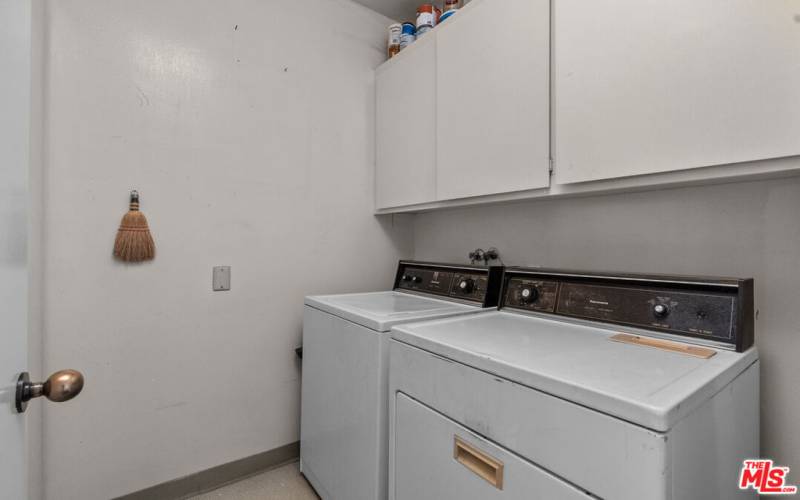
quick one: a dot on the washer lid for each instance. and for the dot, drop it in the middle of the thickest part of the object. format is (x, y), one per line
(382, 310)
(577, 362)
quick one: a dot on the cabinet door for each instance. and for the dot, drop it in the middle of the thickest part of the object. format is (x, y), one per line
(493, 99)
(405, 127)
(646, 86)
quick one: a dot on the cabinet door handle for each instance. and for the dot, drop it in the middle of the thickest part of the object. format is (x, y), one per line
(484, 466)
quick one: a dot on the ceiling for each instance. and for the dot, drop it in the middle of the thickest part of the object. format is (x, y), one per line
(400, 10)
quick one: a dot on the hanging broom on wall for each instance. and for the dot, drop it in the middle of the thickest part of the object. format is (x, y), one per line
(134, 242)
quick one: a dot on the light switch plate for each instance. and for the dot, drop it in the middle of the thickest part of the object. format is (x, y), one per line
(221, 280)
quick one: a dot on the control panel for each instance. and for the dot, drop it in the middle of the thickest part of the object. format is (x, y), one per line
(471, 283)
(715, 309)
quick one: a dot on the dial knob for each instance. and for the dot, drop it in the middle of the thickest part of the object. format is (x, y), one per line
(529, 295)
(466, 285)
(660, 310)
(416, 279)
(406, 277)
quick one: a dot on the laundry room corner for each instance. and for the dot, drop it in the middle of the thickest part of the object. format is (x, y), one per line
(399, 249)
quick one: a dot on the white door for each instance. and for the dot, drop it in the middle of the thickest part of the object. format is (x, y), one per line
(405, 164)
(14, 144)
(493, 99)
(647, 86)
(15, 123)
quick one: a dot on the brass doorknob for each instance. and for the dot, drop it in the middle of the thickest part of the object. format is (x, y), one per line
(59, 387)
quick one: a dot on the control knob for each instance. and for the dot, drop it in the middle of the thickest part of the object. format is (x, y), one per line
(529, 295)
(661, 310)
(466, 285)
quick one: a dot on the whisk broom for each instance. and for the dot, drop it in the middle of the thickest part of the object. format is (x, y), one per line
(134, 241)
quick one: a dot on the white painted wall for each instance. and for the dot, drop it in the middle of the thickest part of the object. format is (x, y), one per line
(747, 229)
(247, 126)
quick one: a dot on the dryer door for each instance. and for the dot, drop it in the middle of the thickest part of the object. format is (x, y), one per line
(436, 458)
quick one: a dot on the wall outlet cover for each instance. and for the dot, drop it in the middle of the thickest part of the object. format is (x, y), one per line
(221, 279)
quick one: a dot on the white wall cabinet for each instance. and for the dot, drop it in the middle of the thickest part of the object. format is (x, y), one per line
(405, 171)
(493, 99)
(651, 86)
(465, 111)
(635, 94)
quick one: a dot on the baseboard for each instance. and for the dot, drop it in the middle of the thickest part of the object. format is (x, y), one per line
(215, 477)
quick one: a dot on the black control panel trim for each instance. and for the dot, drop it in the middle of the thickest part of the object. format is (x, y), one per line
(473, 284)
(718, 310)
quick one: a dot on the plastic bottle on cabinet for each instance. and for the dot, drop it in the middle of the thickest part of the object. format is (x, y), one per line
(409, 35)
(395, 34)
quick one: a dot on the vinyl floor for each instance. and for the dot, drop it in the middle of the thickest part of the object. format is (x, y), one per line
(283, 483)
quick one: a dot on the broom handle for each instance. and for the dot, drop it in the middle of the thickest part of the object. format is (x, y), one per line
(134, 200)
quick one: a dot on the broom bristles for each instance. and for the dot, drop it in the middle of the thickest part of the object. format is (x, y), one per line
(134, 242)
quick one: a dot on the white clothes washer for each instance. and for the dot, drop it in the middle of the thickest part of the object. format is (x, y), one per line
(582, 385)
(344, 426)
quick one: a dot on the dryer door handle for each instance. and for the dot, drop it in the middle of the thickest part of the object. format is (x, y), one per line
(481, 464)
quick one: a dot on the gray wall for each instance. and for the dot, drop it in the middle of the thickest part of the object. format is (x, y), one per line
(747, 229)
(247, 125)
